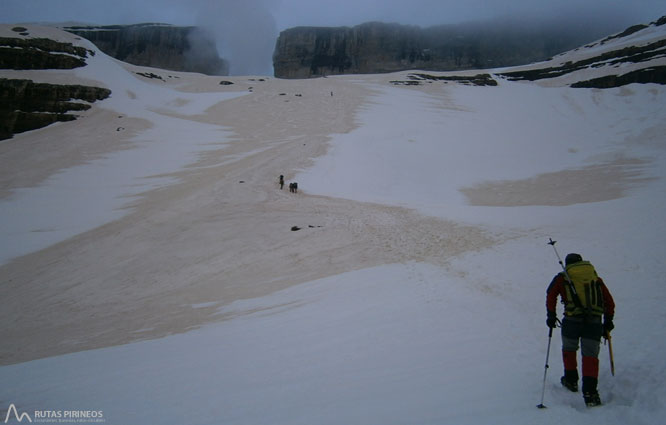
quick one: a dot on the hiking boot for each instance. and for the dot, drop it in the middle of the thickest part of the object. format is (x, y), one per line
(592, 399)
(569, 384)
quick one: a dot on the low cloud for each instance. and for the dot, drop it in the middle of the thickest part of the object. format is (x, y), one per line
(245, 32)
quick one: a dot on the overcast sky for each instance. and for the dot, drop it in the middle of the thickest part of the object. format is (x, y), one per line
(242, 25)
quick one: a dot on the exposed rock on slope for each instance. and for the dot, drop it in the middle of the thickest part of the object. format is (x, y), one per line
(26, 105)
(40, 53)
(473, 80)
(163, 46)
(643, 76)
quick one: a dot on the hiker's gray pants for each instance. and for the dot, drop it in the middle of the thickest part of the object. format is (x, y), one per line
(586, 330)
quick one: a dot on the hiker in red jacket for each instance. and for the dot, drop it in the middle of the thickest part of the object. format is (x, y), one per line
(586, 300)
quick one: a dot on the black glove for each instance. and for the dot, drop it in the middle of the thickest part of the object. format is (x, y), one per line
(608, 325)
(551, 321)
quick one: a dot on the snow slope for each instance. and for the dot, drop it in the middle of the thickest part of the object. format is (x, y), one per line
(102, 186)
(461, 340)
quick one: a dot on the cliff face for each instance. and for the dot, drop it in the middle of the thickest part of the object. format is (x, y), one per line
(39, 53)
(162, 46)
(26, 105)
(376, 47)
(311, 51)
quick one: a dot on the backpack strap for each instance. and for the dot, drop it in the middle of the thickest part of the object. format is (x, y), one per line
(572, 289)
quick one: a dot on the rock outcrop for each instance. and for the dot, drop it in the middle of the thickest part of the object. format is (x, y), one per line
(40, 53)
(26, 105)
(175, 48)
(416, 79)
(376, 47)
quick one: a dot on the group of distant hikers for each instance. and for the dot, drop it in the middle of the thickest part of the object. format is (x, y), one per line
(293, 187)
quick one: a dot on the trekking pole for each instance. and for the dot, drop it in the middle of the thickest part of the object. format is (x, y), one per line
(545, 369)
(572, 288)
(550, 331)
(610, 352)
(552, 243)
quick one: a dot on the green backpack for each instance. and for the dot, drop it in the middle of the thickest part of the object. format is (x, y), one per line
(584, 291)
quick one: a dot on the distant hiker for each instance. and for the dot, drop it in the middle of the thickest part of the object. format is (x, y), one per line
(586, 299)
(295, 187)
(281, 181)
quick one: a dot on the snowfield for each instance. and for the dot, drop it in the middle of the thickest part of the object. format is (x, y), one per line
(152, 274)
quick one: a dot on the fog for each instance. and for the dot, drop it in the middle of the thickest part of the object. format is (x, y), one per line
(246, 30)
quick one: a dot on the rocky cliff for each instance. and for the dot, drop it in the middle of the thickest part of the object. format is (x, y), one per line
(26, 105)
(163, 46)
(376, 47)
(39, 53)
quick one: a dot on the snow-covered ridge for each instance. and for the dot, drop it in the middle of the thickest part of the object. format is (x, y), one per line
(633, 33)
(638, 54)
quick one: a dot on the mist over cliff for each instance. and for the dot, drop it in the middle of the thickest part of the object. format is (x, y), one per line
(245, 32)
(377, 47)
(190, 49)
